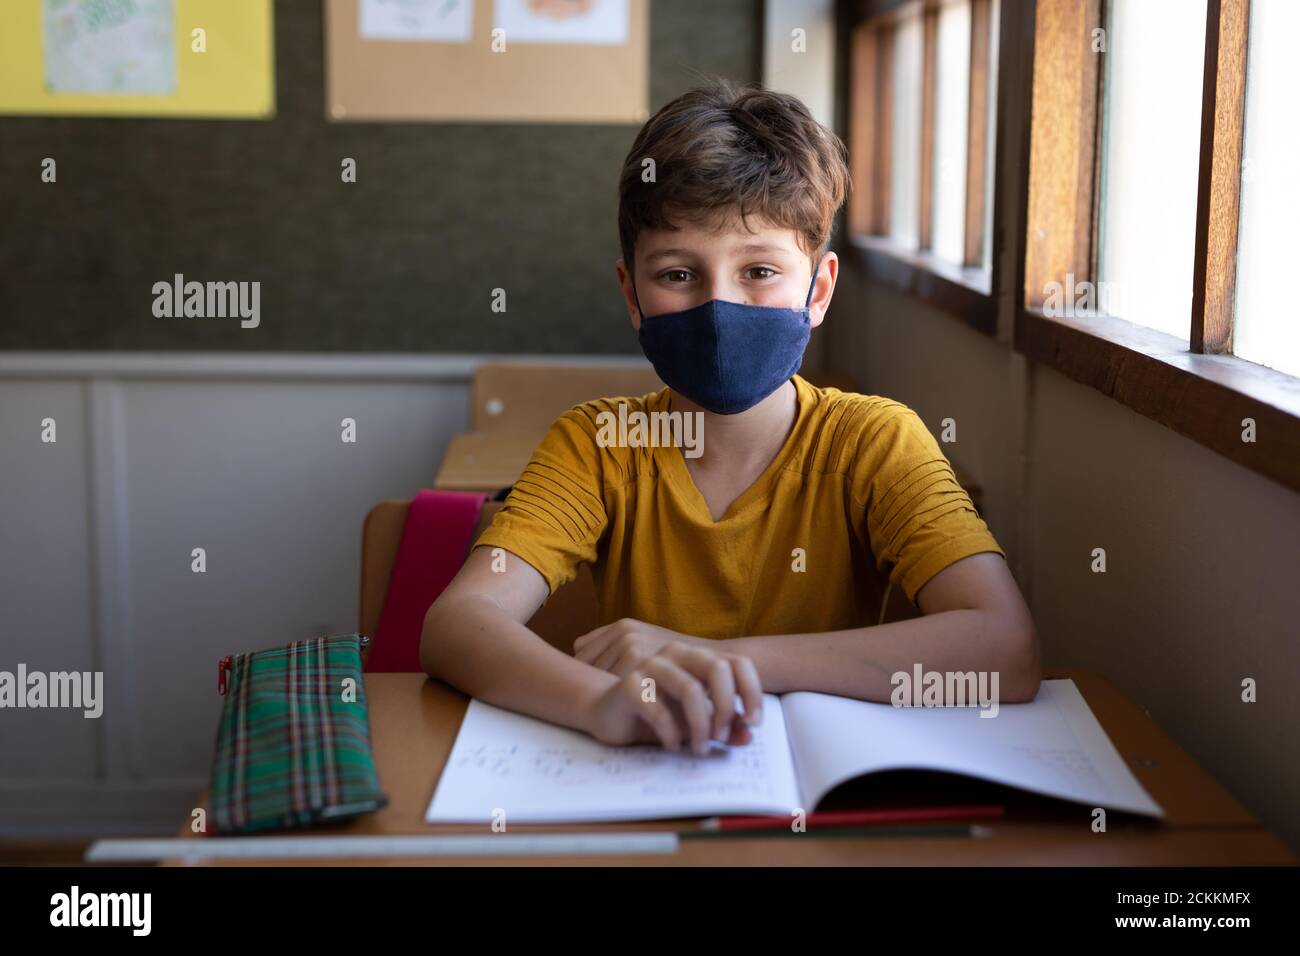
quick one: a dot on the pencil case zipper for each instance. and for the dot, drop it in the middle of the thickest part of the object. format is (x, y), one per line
(226, 663)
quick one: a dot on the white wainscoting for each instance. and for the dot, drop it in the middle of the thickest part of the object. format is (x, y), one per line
(158, 454)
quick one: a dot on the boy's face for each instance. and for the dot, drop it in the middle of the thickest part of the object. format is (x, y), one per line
(763, 264)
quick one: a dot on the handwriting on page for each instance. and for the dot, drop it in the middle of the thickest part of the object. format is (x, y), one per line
(647, 771)
(1070, 764)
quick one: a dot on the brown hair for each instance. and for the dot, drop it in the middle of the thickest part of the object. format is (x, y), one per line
(723, 149)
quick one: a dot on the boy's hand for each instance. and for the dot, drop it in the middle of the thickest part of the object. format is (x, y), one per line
(620, 646)
(694, 689)
(676, 708)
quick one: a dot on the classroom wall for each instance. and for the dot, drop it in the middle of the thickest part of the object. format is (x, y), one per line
(158, 454)
(403, 260)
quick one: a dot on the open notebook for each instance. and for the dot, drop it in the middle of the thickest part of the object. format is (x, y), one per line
(807, 745)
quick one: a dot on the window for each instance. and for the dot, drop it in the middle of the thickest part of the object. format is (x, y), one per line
(990, 131)
(951, 110)
(1155, 55)
(1266, 329)
(905, 131)
(921, 124)
(1161, 203)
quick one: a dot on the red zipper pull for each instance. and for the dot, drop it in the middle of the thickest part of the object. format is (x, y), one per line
(223, 667)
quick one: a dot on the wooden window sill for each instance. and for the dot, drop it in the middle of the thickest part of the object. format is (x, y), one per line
(1202, 397)
(964, 293)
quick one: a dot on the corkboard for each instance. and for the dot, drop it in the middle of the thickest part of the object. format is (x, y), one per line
(527, 82)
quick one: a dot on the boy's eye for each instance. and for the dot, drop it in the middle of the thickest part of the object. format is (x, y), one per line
(676, 275)
(761, 272)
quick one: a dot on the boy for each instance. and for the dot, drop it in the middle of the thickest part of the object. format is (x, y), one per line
(749, 567)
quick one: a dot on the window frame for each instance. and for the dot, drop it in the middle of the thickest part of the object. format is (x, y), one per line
(969, 292)
(1203, 392)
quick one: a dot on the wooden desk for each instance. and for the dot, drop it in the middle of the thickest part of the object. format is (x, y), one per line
(486, 461)
(528, 394)
(414, 721)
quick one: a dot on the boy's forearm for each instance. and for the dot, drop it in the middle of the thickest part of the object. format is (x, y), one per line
(861, 662)
(476, 647)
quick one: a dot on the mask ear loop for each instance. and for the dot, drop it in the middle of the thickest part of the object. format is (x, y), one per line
(635, 298)
(816, 269)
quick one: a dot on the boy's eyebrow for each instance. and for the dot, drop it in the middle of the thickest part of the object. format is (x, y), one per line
(668, 254)
(748, 248)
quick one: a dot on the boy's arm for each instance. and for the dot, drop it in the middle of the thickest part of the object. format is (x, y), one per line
(975, 619)
(475, 638)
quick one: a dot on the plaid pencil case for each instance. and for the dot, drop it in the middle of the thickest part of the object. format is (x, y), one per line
(293, 745)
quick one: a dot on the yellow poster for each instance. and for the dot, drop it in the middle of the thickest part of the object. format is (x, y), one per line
(193, 58)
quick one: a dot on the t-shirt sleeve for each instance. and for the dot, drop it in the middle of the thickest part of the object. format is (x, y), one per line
(555, 513)
(919, 519)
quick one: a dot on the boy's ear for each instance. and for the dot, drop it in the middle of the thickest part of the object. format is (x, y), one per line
(629, 294)
(823, 288)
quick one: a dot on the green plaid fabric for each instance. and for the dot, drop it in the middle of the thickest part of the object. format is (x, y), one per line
(291, 750)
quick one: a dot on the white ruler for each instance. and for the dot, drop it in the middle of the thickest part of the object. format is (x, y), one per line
(371, 847)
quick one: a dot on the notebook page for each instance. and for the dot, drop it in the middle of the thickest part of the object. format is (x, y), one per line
(1052, 745)
(538, 772)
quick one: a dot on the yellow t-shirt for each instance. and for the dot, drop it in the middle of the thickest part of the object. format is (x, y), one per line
(859, 490)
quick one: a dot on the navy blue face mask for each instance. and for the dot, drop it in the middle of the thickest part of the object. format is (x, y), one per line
(727, 356)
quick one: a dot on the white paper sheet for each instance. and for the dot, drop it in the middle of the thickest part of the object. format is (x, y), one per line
(562, 21)
(537, 772)
(427, 21)
(1052, 746)
(809, 743)
(109, 46)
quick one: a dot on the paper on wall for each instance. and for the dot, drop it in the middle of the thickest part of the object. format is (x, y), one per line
(562, 21)
(428, 21)
(109, 46)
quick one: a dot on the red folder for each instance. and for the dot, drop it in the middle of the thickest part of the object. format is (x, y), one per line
(435, 539)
